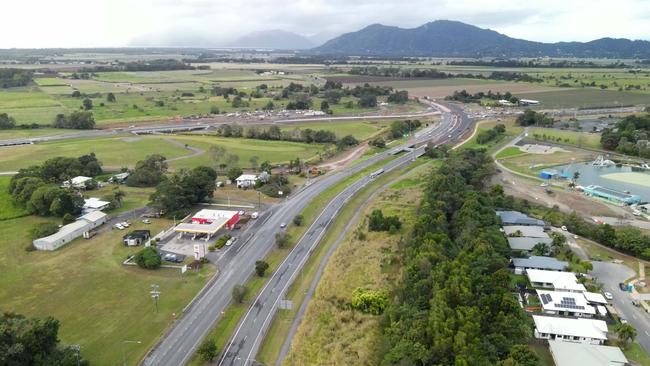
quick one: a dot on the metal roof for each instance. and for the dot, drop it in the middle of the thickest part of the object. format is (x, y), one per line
(540, 262)
(571, 354)
(575, 327)
(523, 243)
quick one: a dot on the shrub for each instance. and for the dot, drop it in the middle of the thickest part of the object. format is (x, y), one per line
(298, 220)
(281, 239)
(369, 301)
(68, 218)
(261, 267)
(207, 350)
(221, 241)
(378, 222)
(239, 292)
(148, 258)
(44, 230)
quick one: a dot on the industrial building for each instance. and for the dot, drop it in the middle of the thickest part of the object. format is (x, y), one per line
(581, 330)
(208, 222)
(538, 262)
(572, 354)
(549, 174)
(611, 195)
(71, 231)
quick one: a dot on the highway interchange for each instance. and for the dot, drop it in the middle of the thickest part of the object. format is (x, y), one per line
(236, 266)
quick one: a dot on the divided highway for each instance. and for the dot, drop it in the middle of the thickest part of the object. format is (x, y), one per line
(236, 266)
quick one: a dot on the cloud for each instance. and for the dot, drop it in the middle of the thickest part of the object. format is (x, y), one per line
(96, 23)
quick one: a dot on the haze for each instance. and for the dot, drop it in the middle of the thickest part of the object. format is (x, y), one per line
(200, 23)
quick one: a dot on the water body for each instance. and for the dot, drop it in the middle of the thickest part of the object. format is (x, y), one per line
(590, 174)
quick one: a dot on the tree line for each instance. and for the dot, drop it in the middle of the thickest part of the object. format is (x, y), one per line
(492, 134)
(409, 73)
(532, 118)
(11, 78)
(454, 304)
(629, 136)
(465, 97)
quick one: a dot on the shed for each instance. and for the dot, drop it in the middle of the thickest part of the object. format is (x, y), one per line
(77, 182)
(71, 231)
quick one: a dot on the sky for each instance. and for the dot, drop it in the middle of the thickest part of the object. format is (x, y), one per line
(116, 23)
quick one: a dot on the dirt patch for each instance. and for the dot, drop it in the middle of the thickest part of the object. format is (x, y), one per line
(352, 155)
(540, 149)
(131, 139)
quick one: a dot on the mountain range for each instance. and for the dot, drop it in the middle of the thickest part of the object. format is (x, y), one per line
(444, 38)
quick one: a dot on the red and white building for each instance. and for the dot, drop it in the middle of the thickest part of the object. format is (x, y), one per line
(208, 222)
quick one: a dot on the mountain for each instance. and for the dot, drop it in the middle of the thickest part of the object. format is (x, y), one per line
(273, 39)
(445, 38)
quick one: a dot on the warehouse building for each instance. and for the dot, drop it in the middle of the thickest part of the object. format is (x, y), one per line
(611, 195)
(71, 231)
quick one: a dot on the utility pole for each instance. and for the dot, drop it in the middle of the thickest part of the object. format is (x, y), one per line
(155, 294)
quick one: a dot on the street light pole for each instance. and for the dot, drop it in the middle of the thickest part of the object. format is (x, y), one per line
(155, 294)
(124, 353)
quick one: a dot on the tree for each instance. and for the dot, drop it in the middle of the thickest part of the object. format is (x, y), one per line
(79, 120)
(148, 258)
(148, 172)
(324, 106)
(32, 341)
(87, 104)
(282, 239)
(239, 292)
(269, 106)
(207, 350)
(6, 122)
(626, 333)
(76, 94)
(67, 219)
(367, 101)
(540, 249)
(521, 355)
(298, 219)
(117, 195)
(214, 110)
(261, 267)
(234, 173)
(176, 194)
(110, 97)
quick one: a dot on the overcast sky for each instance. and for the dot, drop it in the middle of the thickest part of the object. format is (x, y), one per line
(105, 23)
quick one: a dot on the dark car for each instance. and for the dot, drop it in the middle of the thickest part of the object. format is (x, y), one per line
(622, 286)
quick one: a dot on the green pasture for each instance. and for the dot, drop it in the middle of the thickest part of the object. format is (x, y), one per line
(509, 152)
(586, 98)
(579, 139)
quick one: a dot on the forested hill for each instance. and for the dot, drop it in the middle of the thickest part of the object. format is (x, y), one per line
(444, 38)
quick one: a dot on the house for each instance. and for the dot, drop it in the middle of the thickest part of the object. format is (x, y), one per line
(94, 204)
(537, 262)
(525, 230)
(136, 237)
(581, 330)
(518, 218)
(565, 303)
(246, 180)
(119, 178)
(77, 182)
(557, 281)
(525, 244)
(71, 231)
(571, 354)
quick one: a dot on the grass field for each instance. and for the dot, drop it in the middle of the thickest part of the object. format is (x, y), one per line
(361, 130)
(579, 139)
(7, 208)
(512, 130)
(135, 197)
(509, 152)
(544, 354)
(113, 152)
(99, 302)
(631, 178)
(585, 98)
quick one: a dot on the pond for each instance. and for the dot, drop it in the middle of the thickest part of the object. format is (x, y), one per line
(624, 178)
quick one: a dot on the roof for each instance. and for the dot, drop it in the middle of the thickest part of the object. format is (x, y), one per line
(80, 179)
(121, 175)
(540, 262)
(211, 228)
(247, 177)
(93, 216)
(571, 354)
(595, 297)
(561, 280)
(64, 231)
(208, 214)
(137, 234)
(517, 218)
(565, 301)
(523, 243)
(95, 203)
(526, 230)
(575, 327)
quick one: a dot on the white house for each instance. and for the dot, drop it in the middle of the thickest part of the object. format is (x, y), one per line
(581, 330)
(557, 281)
(572, 354)
(94, 204)
(565, 303)
(246, 180)
(71, 231)
(77, 182)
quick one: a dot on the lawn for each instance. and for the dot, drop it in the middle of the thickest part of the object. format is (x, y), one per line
(135, 197)
(585, 98)
(361, 130)
(512, 130)
(7, 208)
(542, 351)
(29, 132)
(509, 152)
(113, 152)
(635, 353)
(98, 301)
(579, 139)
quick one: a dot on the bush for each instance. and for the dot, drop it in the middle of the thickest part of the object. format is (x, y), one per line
(214, 110)
(221, 241)
(369, 301)
(148, 258)
(207, 350)
(378, 222)
(239, 292)
(281, 239)
(44, 230)
(261, 267)
(298, 220)
(68, 218)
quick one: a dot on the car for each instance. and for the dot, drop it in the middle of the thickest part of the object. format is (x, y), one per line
(254, 215)
(623, 321)
(622, 286)
(119, 226)
(125, 224)
(240, 213)
(608, 295)
(283, 225)
(564, 228)
(146, 221)
(636, 303)
(231, 241)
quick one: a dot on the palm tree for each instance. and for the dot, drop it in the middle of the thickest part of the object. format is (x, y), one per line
(118, 195)
(626, 333)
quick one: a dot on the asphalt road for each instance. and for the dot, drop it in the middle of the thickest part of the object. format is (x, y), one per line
(236, 265)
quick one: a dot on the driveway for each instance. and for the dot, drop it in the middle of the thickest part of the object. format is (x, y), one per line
(610, 275)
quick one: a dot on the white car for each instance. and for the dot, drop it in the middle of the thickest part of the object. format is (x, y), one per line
(146, 221)
(608, 295)
(231, 241)
(254, 215)
(283, 225)
(125, 224)
(119, 226)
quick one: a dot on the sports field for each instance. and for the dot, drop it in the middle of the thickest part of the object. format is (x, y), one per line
(99, 301)
(637, 178)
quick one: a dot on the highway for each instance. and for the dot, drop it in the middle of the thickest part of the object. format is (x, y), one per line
(236, 265)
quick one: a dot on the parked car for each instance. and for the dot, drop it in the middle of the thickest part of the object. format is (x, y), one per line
(622, 286)
(254, 215)
(241, 212)
(125, 224)
(119, 226)
(283, 225)
(608, 295)
(636, 303)
(231, 241)
(146, 221)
